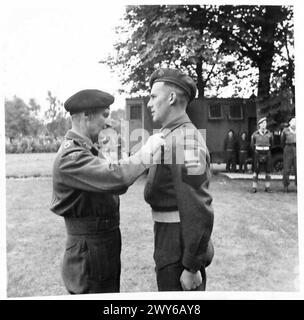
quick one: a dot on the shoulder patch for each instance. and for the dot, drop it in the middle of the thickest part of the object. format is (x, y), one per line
(67, 144)
(73, 155)
(196, 179)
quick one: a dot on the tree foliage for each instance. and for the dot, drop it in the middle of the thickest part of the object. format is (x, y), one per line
(264, 34)
(164, 36)
(18, 119)
(22, 119)
(58, 123)
(216, 45)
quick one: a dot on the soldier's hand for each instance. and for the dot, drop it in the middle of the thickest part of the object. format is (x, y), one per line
(153, 145)
(190, 280)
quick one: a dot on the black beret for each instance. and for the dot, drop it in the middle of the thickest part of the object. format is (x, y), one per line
(176, 77)
(88, 99)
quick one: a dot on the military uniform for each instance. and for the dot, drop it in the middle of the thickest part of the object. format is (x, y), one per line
(288, 140)
(243, 154)
(230, 147)
(85, 194)
(177, 192)
(261, 144)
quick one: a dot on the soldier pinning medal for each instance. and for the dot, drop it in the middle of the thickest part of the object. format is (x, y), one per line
(261, 142)
(86, 189)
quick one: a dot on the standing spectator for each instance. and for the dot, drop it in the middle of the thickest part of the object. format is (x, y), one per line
(261, 142)
(230, 147)
(288, 141)
(243, 152)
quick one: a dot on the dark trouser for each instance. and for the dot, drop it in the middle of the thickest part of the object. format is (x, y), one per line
(262, 160)
(243, 156)
(168, 255)
(290, 160)
(91, 263)
(230, 160)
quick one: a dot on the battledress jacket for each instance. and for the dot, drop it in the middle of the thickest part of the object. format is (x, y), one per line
(261, 140)
(85, 185)
(182, 185)
(288, 137)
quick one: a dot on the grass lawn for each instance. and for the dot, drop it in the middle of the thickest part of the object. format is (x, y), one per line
(255, 239)
(29, 164)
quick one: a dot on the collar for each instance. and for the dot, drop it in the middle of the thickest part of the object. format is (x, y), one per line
(291, 130)
(174, 123)
(261, 133)
(80, 139)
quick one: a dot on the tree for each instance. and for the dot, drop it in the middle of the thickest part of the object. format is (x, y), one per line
(164, 36)
(118, 114)
(18, 119)
(34, 107)
(58, 123)
(200, 39)
(257, 33)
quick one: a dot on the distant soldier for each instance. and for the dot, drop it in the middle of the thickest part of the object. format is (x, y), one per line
(261, 142)
(230, 147)
(243, 152)
(288, 141)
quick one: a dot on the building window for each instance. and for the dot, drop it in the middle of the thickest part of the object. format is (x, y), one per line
(215, 111)
(235, 112)
(135, 112)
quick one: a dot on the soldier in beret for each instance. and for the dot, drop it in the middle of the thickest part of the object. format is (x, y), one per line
(177, 188)
(85, 194)
(288, 141)
(261, 142)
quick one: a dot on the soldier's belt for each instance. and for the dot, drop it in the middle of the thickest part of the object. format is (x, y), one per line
(90, 226)
(165, 216)
(262, 148)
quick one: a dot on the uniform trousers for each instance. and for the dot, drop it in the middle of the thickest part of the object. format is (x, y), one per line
(168, 250)
(262, 160)
(91, 262)
(289, 161)
(243, 156)
(230, 160)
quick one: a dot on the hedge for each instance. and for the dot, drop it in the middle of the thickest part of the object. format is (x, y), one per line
(33, 145)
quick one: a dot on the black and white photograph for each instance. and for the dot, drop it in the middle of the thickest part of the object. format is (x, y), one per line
(150, 150)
